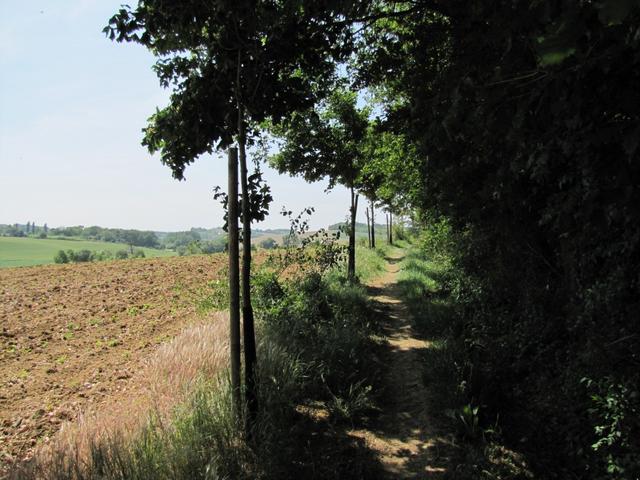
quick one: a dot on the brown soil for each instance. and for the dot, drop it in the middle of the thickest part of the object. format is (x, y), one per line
(406, 438)
(72, 336)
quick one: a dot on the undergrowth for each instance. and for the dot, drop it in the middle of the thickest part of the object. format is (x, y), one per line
(428, 288)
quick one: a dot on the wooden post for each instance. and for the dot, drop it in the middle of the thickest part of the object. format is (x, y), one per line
(234, 281)
(390, 228)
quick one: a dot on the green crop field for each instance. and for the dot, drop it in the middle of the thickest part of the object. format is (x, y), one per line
(18, 252)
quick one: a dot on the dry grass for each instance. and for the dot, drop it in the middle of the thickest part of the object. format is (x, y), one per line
(164, 383)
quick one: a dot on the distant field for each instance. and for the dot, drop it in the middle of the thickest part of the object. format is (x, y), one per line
(18, 252)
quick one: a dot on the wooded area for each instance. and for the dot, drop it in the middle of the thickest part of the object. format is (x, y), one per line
(507, 131)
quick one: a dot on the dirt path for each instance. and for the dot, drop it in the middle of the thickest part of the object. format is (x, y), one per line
(405, 437)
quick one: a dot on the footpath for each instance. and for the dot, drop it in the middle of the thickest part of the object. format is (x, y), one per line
(404, 438)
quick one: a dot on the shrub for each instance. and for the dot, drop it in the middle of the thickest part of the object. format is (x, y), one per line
(83, 256)
(103, 255)
(268, 244)
(61, 257)
(138, 253)
(122, 254)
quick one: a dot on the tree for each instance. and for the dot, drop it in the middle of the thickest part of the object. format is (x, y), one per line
(232, 65)
(328, 140)
(268, 244)
(524, 119)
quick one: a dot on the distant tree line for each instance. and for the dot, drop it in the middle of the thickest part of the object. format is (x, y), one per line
(136, 238)
(18, 230)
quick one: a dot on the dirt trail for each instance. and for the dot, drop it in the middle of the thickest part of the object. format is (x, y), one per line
(405, 438)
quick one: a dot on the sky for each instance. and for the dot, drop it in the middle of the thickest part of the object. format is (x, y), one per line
(72, 107)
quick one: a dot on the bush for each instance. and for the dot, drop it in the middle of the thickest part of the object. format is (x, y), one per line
(326, 323)
(268, 244)
(122, 255)
(102, 255)
(138, 253)
(83, 256)
(61, 257)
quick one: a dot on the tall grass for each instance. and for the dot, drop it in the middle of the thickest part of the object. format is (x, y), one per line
(371, 262)
(92, 443)
(315, 349)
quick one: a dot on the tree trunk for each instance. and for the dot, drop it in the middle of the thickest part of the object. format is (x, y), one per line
(390, 228)
(234, 281)
(351, 266)
(373, 226)
(247, 310)
(368, 227)
(386, 215)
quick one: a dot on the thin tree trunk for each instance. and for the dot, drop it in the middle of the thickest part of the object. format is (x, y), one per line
(249, 336)
(368, 227)
(373, 226)
(351, 266)
(390, 228)
(247, 310)
(387, 220)
(234, 281)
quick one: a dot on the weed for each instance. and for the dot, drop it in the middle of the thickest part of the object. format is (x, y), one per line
(215, 296)
(136, 310)
(61, 359)
(467, 421)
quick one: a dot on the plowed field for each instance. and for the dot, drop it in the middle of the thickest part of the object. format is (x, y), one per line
(72, 336)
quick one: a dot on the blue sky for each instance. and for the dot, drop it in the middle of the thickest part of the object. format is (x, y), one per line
(72, 106)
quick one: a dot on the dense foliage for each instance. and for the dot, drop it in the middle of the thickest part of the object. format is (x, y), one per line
(525, 120)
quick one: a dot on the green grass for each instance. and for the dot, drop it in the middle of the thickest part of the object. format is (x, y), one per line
(371, 263)
(19, 252)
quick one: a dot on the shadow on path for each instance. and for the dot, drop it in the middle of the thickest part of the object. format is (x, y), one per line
(406, 440)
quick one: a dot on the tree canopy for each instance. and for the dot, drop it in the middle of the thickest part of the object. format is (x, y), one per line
(276, 55)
